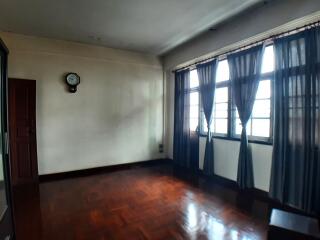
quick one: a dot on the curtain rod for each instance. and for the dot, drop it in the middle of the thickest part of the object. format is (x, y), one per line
(289, 32)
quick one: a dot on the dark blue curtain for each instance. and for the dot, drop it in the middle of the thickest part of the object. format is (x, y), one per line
(245, 67)
(295, 177)
(207, 84)
(182, 140)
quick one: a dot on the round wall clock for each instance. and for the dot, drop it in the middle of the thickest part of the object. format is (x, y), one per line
(73, 80)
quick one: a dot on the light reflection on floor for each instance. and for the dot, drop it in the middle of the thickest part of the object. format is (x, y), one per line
(201, 223)
(192, 217)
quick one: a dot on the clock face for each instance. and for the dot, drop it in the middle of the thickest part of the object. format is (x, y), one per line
(73, 79)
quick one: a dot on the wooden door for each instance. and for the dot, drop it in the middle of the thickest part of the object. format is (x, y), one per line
(22, 124)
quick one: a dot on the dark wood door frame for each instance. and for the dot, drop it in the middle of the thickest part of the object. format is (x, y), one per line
(22, 124)
(6, 220)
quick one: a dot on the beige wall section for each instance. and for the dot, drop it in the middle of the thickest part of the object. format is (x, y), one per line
(116, 115)
(251, 25)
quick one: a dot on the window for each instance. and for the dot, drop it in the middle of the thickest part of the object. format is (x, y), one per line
(219, 125)
(268, 60)
(194, 110)
(259, 124)
(194, 100)
(226, 122)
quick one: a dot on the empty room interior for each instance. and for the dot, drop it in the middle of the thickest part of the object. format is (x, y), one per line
(159, 119)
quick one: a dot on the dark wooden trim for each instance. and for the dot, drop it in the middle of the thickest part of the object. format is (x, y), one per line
(262, 142)
(261, 194)
(101, 170)
(225, 182)
(256, 193)
(3, 47)
(7, 221)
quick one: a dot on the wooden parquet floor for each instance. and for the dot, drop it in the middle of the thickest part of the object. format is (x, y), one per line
(151, 202)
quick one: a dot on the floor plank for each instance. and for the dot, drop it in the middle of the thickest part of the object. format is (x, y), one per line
(154, 202)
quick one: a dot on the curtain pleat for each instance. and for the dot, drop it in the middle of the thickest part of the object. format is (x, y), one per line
(245, 70)
(207, 83)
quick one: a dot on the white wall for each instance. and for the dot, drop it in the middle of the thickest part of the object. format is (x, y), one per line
(252, 25)
(226, 155)
(116, 115)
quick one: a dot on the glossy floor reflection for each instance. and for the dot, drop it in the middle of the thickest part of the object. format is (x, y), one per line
(140, 203)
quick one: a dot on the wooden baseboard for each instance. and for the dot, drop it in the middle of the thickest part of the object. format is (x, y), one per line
(100, 170)
(257, 194)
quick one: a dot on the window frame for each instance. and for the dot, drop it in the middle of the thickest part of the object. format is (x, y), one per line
(257, 139)
(231, 135)
(192, 90)
(222, 84)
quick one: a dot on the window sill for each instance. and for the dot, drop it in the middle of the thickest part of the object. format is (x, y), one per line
(262, 142)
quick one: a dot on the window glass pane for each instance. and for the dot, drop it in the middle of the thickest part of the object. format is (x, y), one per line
(204, 125)
(194, 111)
(221, 95)
(222, 71)
(220, 121)
(297, 47)
(239, 127)
(268, 60)
(221, 114)
(261, 108)
(236, 113)
(221, 126)
(249, 130)
(264, 89)
(193, 124)
(194, 98)
(260, 127)
(221, 106)
(194, 81)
